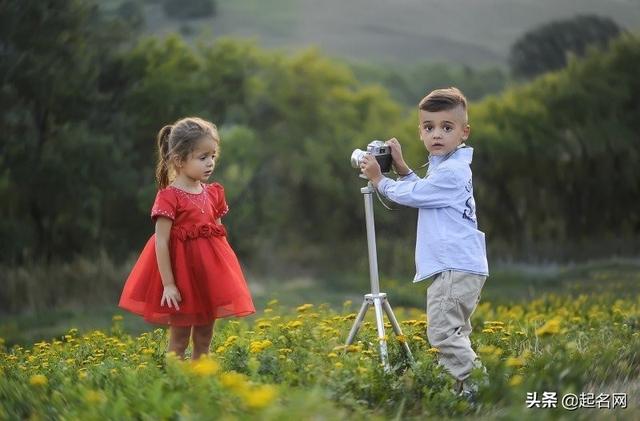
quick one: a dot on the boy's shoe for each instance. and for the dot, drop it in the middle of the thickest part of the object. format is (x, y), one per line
(467, 390)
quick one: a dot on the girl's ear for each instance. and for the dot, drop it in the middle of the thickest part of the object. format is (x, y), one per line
(176, 161)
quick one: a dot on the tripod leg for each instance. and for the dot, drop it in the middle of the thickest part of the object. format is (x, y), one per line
(381, 336)
(396, 327)
(358, 322)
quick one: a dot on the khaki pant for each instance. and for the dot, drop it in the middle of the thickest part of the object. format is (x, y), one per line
(451, 299)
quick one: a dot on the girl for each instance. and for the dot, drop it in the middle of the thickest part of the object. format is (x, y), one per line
(187, 274)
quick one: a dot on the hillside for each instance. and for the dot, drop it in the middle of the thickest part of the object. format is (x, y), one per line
(461, 31)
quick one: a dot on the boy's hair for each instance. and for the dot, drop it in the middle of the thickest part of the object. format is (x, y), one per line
(443, 99)
(180, 139)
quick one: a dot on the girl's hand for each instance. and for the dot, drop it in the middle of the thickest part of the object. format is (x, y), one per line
(400, 166)
(371, 169)
(171, 296)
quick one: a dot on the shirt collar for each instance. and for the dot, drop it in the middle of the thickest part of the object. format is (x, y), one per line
(461, 153)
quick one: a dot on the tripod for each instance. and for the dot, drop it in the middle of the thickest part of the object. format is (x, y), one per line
(376, 298)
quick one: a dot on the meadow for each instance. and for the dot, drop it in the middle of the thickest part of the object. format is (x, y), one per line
(580, 335)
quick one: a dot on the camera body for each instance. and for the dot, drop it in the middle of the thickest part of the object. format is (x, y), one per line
(376, 148)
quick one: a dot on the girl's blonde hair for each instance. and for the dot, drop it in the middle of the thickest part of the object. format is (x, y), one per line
(178, 140)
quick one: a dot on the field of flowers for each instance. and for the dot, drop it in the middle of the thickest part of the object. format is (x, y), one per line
(292, 364)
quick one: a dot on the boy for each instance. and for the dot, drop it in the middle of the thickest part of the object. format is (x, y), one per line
(449, 246)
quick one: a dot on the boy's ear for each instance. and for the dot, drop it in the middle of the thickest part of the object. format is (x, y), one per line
(465, 132)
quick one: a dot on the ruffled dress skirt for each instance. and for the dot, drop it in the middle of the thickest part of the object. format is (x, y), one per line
(206, 272)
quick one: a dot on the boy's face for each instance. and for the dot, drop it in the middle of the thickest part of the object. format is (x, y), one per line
(442, 131)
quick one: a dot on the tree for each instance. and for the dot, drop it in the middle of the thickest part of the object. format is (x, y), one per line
(50, 90)
(547, 47)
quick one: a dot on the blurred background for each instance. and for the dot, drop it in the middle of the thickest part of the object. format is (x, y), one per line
(295, 86)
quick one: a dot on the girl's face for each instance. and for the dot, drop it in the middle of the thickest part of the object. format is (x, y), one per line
(201, 161)
(442, 131)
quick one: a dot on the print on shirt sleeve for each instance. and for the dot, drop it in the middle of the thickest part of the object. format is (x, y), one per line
(470, 210)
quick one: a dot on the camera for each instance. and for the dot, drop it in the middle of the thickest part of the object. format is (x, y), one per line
(379, 150)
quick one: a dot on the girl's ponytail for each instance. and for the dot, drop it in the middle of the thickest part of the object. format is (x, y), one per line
(162, 168)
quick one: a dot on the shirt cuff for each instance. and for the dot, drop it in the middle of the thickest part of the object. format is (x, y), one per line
(383, 185)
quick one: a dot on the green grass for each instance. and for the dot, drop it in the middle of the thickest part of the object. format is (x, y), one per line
(293, 364)
(508, 285)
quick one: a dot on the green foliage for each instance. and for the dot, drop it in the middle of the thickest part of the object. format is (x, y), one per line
(294, 364)
(81, 109)
(570, 135)
(57, 162)
(548, 47)
(407, 84)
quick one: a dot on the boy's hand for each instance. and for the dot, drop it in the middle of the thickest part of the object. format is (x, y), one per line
(400, 166)
(371, 169)
(171, 296)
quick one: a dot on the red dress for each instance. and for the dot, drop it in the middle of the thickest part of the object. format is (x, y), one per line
(205, 268)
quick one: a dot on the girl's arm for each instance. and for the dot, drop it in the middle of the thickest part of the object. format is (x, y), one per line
(171, 294)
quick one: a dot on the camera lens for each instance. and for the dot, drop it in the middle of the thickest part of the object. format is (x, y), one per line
(356, 157)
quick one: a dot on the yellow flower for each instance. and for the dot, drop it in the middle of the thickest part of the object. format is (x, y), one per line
(433, 350)
(490, 350)
(550, 328)
(38, 380)
(117, 318)
(258, 346)
(401, 338)
(304, 308)
(338, 365)
(230, 340)
(272, 303)
(233, 380)
(332, 355)
(514, 362)
(294, 324)
(260, 396)
(354, 348)
(94, 396)
(515, 380)
(263, 325)
(205, 367)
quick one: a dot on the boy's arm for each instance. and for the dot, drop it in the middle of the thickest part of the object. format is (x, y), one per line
(436, 191)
